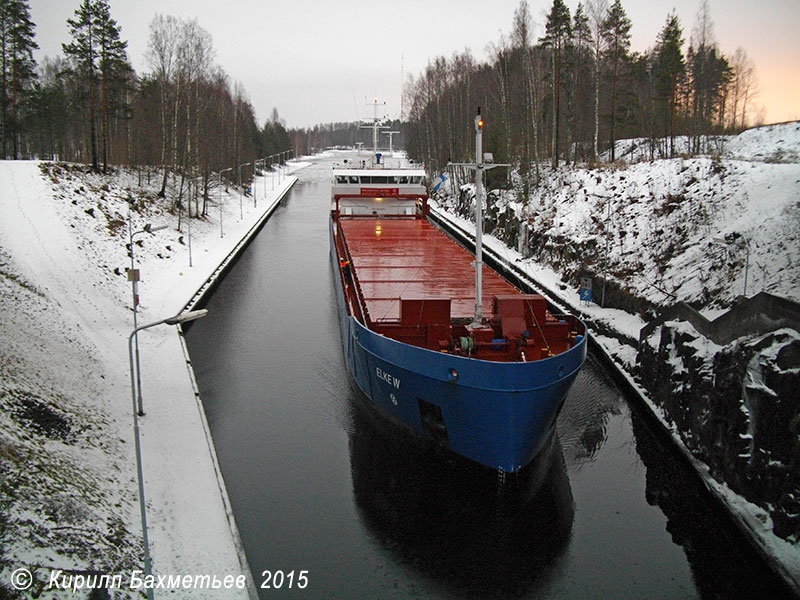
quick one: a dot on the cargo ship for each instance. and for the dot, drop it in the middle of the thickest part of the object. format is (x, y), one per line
(437, 341)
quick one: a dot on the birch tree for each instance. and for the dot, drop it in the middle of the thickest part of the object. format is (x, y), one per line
(597, 10)
(522, 41)
(743, 88)
(162, 57)
(709, 74)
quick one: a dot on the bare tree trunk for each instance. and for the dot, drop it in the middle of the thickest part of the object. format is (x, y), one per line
(597, 11)
(533, 103)
(164, 139)
(104, 122)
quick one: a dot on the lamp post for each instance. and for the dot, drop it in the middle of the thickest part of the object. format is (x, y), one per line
(133, 276)
(264, 170)
(219, 185)
(740, 243)
(176, 320)
(241, 190)
(255, 185)
(189, 213)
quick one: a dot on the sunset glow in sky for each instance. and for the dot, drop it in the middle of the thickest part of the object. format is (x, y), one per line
(318, 61)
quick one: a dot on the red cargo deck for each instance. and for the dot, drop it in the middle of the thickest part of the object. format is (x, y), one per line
(395, 257)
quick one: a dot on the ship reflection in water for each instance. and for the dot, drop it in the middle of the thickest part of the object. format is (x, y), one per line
(467, 527)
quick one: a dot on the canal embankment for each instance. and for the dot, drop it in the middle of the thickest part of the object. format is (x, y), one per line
(66, 391)
(193, 502)
(615, 342)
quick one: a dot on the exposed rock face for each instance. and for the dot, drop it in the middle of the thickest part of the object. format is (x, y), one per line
(737, 408)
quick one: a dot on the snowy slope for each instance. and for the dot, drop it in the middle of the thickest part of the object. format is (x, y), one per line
(64, 470)
(658, 222)
(68, 478)
(670, 229)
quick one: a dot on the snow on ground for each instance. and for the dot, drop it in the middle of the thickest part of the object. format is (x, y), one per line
(675, 229)
(68, 481)
(663, 217)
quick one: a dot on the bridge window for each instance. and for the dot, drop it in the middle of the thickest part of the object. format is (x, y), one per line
(353, 179)
(341, 179)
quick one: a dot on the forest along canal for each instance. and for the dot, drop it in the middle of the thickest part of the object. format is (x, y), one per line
(333, 503)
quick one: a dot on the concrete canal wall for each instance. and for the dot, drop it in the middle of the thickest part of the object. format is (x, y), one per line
(195, 302)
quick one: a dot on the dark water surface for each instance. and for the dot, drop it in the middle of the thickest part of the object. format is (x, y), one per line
(319, 484)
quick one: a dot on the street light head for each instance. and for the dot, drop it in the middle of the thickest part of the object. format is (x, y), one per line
(187, 316)
(150, 229)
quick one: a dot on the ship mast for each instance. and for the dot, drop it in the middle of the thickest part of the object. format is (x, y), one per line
(477, 321)
(479, 166)
(375, 125)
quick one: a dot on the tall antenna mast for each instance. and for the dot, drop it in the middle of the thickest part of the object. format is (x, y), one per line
(402, 82)
(375, 126)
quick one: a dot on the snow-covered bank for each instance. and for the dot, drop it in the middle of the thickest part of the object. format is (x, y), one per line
(653, 227)
(608, 326)
(688, 228)
(66, 446)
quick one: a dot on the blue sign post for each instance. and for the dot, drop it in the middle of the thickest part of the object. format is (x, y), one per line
(585, 291)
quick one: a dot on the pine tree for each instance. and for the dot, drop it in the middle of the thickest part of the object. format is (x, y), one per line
(617, 37)
(521, 39)
(18, 69)
(113, 65)
(557, 35)
(99, 60)
(582, 40)
(709, 77)
(49, 110)
(669, 69)
(82, 53)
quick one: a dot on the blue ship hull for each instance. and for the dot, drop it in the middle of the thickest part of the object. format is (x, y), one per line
(498, 414)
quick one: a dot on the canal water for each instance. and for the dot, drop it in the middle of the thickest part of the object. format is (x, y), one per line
(332, 502)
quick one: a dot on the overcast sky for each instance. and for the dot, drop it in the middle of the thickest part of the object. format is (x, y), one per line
(319, 61)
